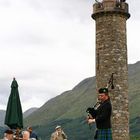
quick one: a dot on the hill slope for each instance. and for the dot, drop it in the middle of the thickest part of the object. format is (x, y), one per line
(29, 112)
(69, 107)
(2, 117)
(70, 104)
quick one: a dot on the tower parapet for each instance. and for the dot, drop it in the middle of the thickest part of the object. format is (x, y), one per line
(109, 7)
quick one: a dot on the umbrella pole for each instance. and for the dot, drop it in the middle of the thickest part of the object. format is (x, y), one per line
(17, 134)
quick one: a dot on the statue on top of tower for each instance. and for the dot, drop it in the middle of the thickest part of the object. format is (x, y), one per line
(118, 2)
(98, 1)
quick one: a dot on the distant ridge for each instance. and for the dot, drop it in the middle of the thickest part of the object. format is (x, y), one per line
(29, 112)
(25, 114)
(2, 117)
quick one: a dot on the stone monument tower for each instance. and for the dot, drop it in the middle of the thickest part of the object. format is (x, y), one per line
(111, 59)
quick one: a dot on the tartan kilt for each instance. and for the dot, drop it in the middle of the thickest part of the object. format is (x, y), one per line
(104, 134)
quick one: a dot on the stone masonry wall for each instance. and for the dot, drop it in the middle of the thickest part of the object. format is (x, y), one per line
(111, 57)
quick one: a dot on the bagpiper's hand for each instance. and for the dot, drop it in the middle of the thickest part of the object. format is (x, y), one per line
(91, 121)
(87, 118)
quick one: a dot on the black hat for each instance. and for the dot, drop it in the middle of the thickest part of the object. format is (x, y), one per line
(8, 131)
(103, 90)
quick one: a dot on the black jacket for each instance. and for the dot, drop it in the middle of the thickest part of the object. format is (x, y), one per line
(103, 115)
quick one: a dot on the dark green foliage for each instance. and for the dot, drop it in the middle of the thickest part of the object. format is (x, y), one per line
(2, 129)
(77, 129)
(135, 126)
(134, 138)
(74, 128)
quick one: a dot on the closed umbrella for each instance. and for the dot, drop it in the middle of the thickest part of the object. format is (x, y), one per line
(14, 116)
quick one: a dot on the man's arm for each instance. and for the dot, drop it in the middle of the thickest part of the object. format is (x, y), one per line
(104, 113)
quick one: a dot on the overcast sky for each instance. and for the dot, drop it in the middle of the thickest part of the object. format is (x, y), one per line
(49, 46)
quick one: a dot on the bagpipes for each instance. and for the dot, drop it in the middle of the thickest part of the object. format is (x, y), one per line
(92, 110)
(111, 82)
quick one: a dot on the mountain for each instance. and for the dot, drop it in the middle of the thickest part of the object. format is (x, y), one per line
(29, 112)
(70, 104)
(25, 114)
(2, 117)
(68, 109)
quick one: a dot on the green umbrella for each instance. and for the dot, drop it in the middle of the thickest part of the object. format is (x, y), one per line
(14, 116)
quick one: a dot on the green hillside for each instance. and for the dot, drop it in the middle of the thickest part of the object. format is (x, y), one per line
(68, 109)
(69, 105)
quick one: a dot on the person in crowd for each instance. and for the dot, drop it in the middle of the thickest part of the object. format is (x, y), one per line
(33, 135)
(101, 115)
(25, 135)
(58, 134)
(18, 134)
(8, 135)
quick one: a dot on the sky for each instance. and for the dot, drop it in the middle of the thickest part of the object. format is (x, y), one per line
(49, 46)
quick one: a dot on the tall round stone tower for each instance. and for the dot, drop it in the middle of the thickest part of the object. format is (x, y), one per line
(111, 59)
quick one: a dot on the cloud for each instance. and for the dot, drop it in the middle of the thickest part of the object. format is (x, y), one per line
(49, 46)
(134, 9)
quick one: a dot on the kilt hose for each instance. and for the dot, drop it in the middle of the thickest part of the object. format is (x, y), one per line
(103, 134)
